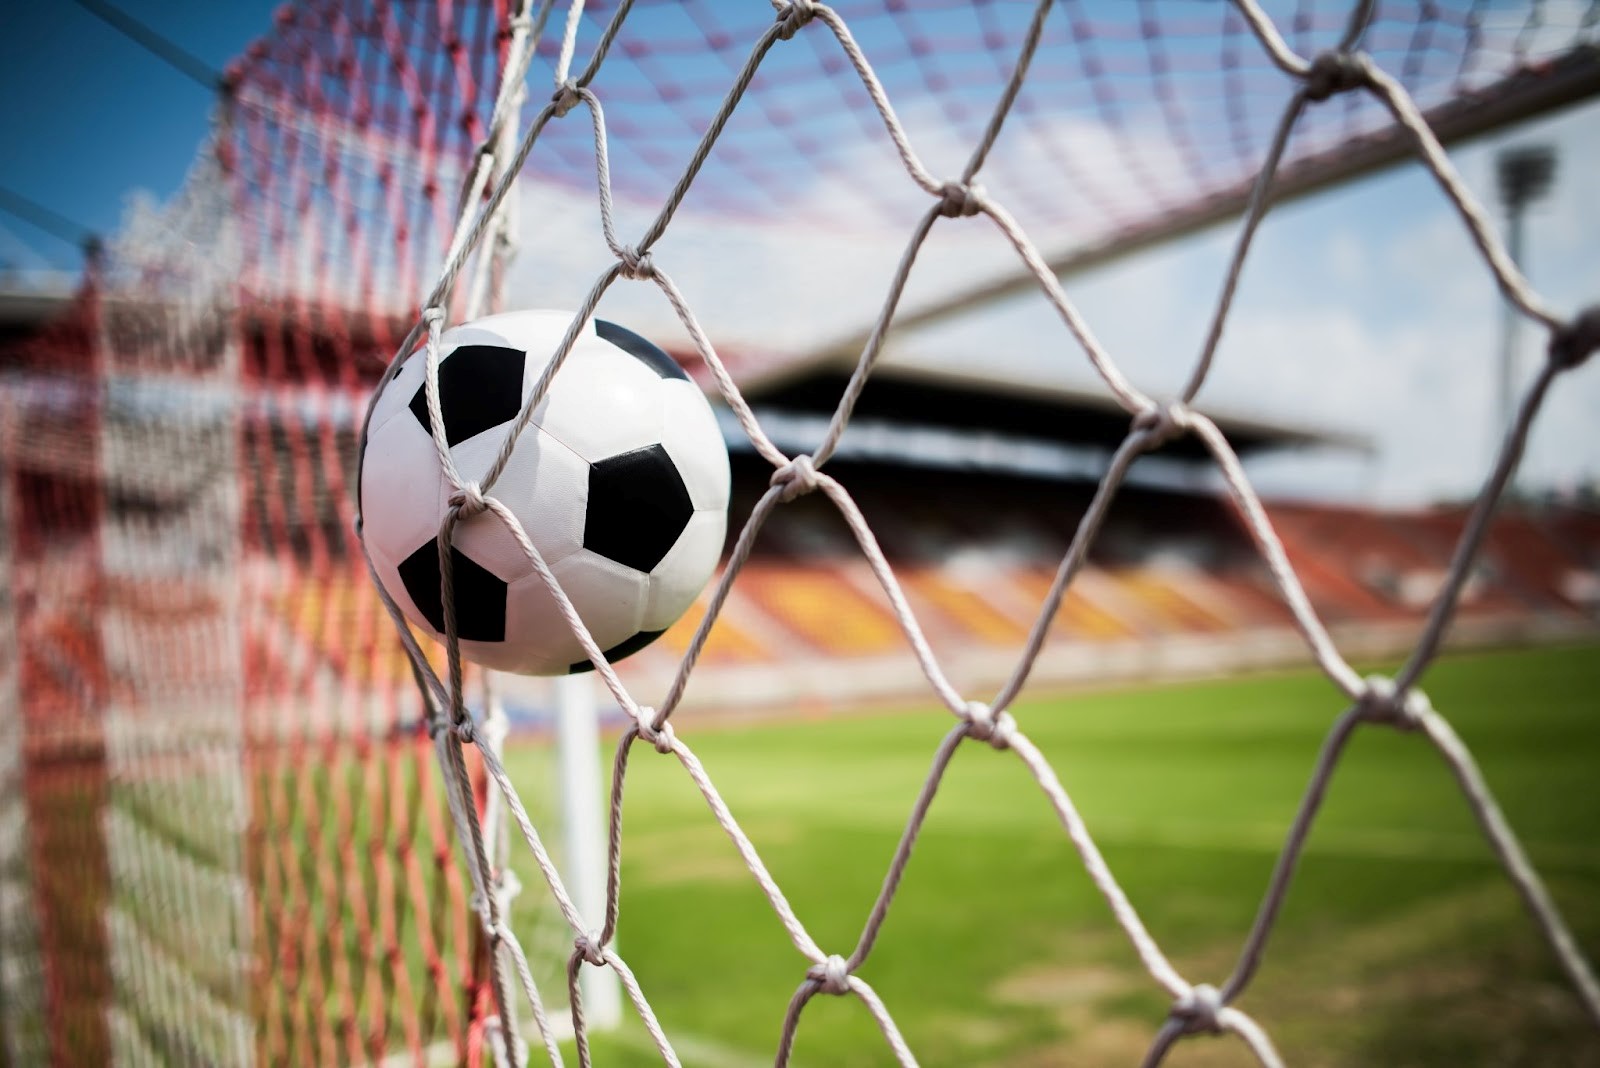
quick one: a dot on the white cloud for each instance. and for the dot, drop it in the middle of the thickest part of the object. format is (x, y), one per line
(1367, 310)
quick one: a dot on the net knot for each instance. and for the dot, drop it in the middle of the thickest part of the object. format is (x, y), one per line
(1198, 1009)
(466, 732)
(507, 241)
(833, 974)
(635, 264)
(797, 477)
(432, 314)
(793, 14)
(1382, 703)
(468, 499)
(661, 737)
(985, 726)
(960, 199)
(565, 98)
(478, 905)
(494, 731)
(1161, 423)
(1335, 72)
(507, 887)
(1573, 342)
(587, 946)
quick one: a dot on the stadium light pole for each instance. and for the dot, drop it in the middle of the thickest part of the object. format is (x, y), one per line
(1525, 174)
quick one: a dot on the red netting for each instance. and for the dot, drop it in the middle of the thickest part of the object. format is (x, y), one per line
(239, 854)
(344, 144)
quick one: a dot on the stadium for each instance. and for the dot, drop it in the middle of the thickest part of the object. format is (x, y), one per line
(244, 822)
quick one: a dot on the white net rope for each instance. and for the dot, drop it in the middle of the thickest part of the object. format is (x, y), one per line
(1397, 702)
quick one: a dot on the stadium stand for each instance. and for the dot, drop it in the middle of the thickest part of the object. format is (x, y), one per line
(1322, 544)
(973, 487)
(823, 608)
(1517, 570)
(960, 607)
(730, 641)
(1081, 617)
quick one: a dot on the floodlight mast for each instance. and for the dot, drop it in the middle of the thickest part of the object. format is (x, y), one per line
(1525, 174)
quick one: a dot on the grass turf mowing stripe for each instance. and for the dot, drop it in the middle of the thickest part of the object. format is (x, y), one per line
(1399, 934)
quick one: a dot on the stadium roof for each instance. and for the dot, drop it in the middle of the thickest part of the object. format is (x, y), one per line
(24, 311)
(968, 400)
(898, 393)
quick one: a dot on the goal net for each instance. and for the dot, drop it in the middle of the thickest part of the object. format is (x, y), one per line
(245, 819)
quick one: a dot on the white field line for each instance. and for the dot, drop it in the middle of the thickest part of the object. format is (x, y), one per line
(696, 1050)
(1356, 843)
(693, 1049)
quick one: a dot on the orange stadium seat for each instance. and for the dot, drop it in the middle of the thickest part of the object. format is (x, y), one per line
(824, 609)
(1326, 557)
(727, 643)
(1170, 608)
(1577, 528)
(966, 610)
(1438, 531)
(1251, 599)
(1078, 617)
(1533, 559)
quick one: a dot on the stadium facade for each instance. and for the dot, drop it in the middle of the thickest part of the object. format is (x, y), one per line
(974, 486)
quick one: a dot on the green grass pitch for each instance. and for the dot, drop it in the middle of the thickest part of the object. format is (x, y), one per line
(1401, 943)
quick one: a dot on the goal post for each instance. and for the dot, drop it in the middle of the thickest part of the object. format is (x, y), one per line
(1527, 94)
(583, 828)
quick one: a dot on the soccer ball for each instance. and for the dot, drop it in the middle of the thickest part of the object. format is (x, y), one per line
(620, 480)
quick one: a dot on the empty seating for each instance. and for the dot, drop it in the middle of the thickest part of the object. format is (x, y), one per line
(962, 609)
(824, 609)
(728, 643)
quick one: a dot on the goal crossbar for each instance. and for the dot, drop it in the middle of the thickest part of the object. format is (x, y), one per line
(1526, 94)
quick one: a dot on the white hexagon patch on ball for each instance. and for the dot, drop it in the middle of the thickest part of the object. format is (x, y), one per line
(621, 482)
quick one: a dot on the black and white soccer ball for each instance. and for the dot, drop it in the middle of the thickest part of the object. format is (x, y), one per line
(621, 482)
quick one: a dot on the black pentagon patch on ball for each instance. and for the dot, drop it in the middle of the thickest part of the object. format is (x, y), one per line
(622, 649)
(480, 387)
(638, 505)
(641, 350)
(480, 595)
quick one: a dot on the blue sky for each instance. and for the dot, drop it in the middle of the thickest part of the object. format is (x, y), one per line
(1363, 309)
(90, 116)
(1369, 310)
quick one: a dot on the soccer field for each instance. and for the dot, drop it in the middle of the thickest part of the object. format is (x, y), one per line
(1401, 942)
